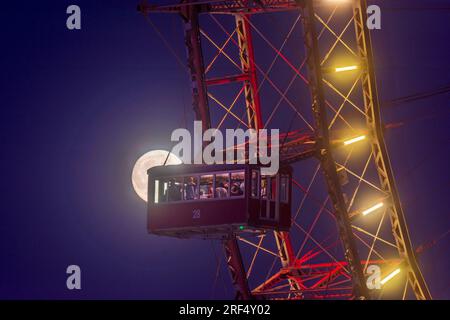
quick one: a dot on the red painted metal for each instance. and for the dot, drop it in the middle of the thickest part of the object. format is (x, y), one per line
(216, 217)
(299, 275)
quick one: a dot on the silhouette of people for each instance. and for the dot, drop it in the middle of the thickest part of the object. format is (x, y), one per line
(173, 191)
(191, 189)
(236, 190)
(263, 188)
(206, 190)
(221, 191)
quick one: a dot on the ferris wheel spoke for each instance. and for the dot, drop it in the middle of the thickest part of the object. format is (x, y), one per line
(369, 255)
(250, 268)
(374, 236)
(265, 74)
(276, 50)
(231, 107)
(306, 192)
(220, 51)
(368, 246)
(346, 99)
(320, 246)
(329, 84)
(339, 39)
(350, 205)
(313, 225)
(218, 48)
(295, 75)
(280, 100)
(258, 247)
(227, 109)
(361, 178)
(405, 290)
(284, 97)
(316, 259)
(280, 49)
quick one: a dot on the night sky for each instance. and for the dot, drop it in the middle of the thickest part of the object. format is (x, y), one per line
(79, 107)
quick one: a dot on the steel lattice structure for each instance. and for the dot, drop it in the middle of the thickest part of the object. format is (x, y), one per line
(333, 238)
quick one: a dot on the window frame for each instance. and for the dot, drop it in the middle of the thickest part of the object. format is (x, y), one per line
(197, 187)
(213, 182)
(287, 187)
(229, 182)
(229, 188)
(258, 184)
(198, 175)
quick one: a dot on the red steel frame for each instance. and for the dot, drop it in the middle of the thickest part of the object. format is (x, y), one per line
(335, 279)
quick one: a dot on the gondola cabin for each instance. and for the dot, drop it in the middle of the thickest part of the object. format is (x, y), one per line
(209, 201)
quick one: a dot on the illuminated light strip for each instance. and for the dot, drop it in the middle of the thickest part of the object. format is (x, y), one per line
(390, 276)
(347, 142)
(372, 209)
(348, 68)
(156, 191)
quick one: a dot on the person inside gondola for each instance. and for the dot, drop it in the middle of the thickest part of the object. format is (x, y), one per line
(263, 188)
(236, 190)
(174, 191)
(191, 188)
(221, 191)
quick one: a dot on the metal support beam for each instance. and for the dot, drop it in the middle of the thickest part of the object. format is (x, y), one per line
(201, 108)
(326, 158)
(196, 65)
(236, 268)
(254, 118)
(246, 55)
(297, 279)
(225, 6)
(384, 169)
(226, 80)
(287, 258)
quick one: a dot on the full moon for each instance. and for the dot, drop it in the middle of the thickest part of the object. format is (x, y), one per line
(149, 160)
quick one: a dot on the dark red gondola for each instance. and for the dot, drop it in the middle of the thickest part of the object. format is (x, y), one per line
(216, 200)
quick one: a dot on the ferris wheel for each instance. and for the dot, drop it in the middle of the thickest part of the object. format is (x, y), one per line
(306, 68)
